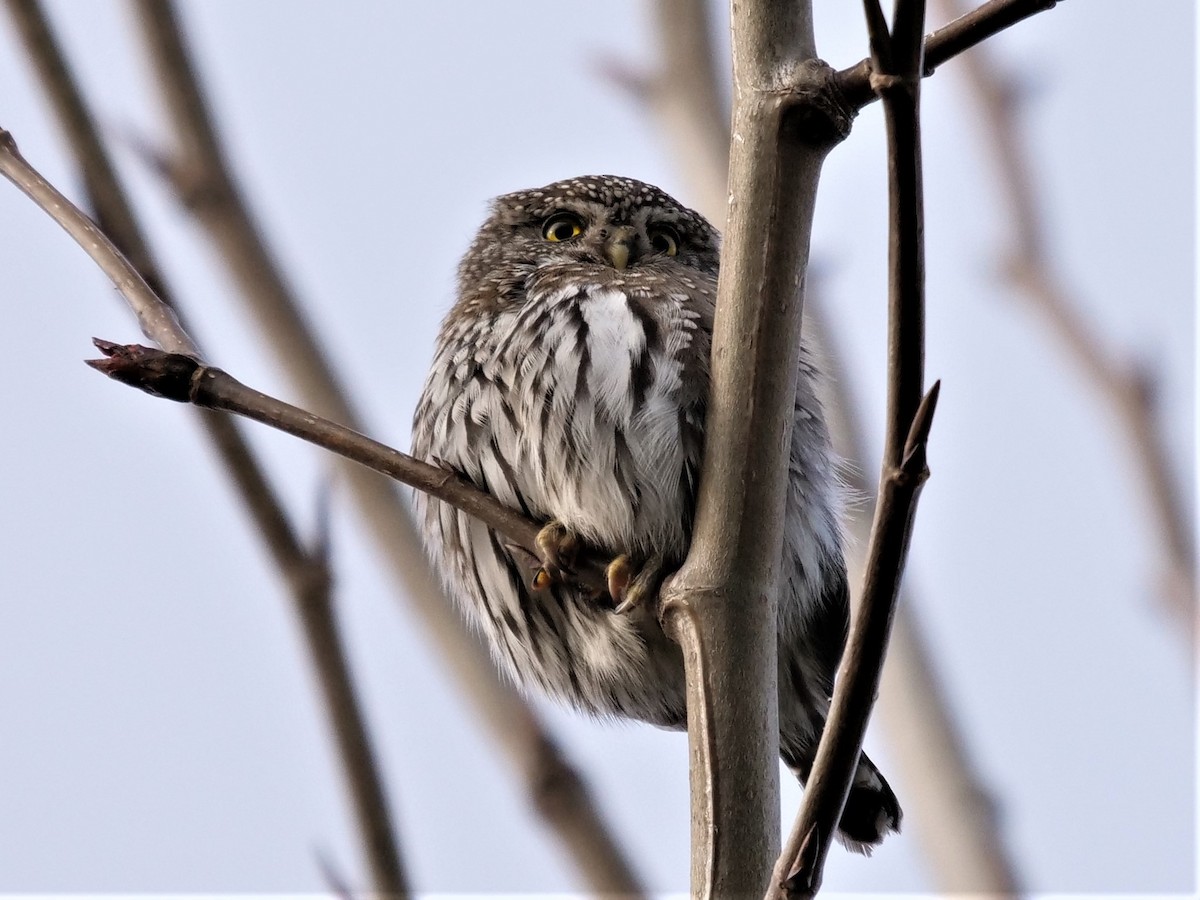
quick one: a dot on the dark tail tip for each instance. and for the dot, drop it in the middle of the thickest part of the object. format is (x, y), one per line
(871, 812)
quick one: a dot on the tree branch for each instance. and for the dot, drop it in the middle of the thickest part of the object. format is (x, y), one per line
(306, 572)
(946, 43)
(948, 798)
(684, 95)
(897, 71)
(308, 575)
(157, 320)
(184, 379)
(721, 605)
(799, 868)
(209, 189)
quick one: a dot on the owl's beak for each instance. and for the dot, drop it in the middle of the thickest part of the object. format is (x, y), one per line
(620, 246)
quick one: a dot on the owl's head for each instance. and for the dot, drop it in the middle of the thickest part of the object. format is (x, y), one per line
(602, 223)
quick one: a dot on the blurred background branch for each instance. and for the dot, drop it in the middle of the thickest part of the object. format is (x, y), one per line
(306, 571)
(208, 189)
(1127, 386)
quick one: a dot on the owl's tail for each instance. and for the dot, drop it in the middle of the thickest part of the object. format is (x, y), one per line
(871, 811)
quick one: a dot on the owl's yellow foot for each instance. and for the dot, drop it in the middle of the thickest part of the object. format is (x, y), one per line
(559, 547)
(631, 585)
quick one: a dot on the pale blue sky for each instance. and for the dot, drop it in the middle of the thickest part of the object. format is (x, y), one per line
(159, 726)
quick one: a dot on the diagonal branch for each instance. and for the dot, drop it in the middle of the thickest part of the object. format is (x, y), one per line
(896, 77)
(211, 193)
(185, 379)
(976, 26)
(1127, 386)
(946, 43)
(952, 806)
(798, 873)
(306, 573)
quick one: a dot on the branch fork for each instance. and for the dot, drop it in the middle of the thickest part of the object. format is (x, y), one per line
(814, 105)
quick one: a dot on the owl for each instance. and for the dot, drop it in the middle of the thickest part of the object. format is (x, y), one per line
(570, 381)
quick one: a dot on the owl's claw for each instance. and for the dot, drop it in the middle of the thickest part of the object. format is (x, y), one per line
(632, 586)
(559, 547)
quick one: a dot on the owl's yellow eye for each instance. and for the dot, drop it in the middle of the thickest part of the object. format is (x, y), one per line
(562, 227)
(664, 239)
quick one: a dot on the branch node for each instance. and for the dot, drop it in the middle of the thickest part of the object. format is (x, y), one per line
(883, 83)
(945, 43)
(672, 605)
(815, 109)
(922, 422)
(914, 468)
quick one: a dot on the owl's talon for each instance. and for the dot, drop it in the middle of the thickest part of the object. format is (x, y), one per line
(625, 606)
(631, 586)
(620, 574)
(559, 547)
(530, 563)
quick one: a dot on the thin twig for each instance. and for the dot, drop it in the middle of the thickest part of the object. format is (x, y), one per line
(107, 200)
(1126, 386)
(976, 26)
(945, 43)
(682, 624)
(184, 379)
(896, 76)
(157, 320)
(208, 187)
(798, 873)
(946, 795)
(307, 573)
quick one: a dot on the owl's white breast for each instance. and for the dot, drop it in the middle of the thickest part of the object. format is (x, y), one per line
(598, 415)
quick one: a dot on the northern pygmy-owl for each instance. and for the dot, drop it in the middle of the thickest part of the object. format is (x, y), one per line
(570, 381)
